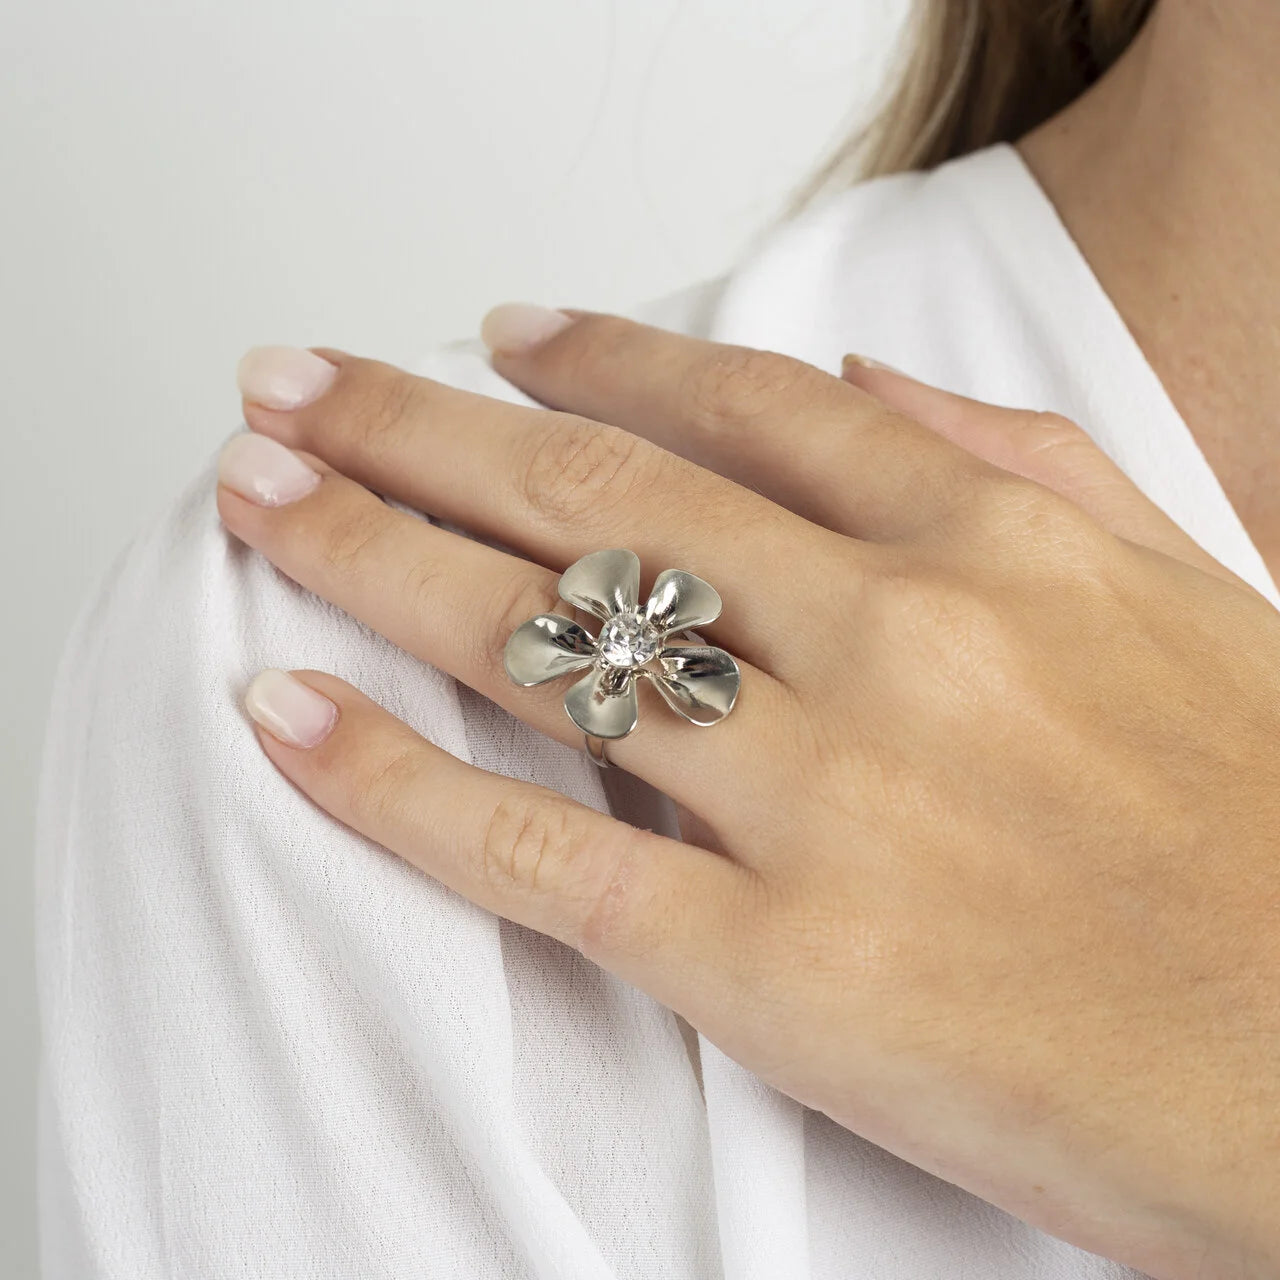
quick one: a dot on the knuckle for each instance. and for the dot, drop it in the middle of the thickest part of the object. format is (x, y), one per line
(610, 917)
(1005, 508)
(1047, 429)
(1044, 438)
(523, 837)
(381, 788)
(380, 405)
(1003, 503)
(739, 385)
(960, 633)
(581, 470)
(428, 583)
(580, 885)
(1045, 520)
(346, 540)
(516, 599)
(1016, 532)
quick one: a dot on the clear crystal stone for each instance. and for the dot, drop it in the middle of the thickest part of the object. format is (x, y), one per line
(628, 640)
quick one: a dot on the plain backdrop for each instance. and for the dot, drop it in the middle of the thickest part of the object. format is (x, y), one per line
(183, 180)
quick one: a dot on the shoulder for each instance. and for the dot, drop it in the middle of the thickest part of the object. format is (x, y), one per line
(153, 670)
(898, 267)
(183, 567)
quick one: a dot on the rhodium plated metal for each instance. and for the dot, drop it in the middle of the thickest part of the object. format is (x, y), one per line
(698, 681)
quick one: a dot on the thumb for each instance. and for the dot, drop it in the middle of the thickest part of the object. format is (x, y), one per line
(1044, 447)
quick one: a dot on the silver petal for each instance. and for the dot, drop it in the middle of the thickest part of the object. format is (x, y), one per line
(545, 647)
(604, 703)
(679, 600)
(603, 583)
(699, 681)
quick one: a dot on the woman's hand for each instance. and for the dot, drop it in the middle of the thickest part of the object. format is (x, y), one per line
(984, 862)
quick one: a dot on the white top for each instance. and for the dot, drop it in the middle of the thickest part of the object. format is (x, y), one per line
(275, 1051)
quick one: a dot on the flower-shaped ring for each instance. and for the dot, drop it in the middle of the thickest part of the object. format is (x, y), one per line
(699, 681)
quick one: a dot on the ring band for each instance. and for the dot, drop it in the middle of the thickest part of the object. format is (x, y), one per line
(698, 681)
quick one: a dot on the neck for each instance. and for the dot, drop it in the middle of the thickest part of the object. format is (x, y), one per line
(1167, 174)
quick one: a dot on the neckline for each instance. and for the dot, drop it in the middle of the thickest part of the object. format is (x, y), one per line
(1000, 188)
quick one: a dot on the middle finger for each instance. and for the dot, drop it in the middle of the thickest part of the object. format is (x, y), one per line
(550, 485)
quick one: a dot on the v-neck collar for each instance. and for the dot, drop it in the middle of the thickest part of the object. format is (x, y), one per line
(1156, 446)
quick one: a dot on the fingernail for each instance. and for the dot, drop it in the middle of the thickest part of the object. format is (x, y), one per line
(283, 377)
(865, 362)
(290, 710)
(264, 471)
(520, 326)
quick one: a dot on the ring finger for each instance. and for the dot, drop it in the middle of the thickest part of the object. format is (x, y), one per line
(453, 602)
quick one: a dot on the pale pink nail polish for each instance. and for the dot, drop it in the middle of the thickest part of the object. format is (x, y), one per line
(290, 710)
(866, 362)
(264, 471)
(514, 327)
(283, 377)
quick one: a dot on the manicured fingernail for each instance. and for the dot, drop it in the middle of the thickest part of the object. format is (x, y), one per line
(283, 377)
(519, 326)
(290, 710)
(865, 362)
(264, 471)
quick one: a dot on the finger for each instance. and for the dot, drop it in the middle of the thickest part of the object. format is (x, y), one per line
(777, 425)
(653, 910)
(1044, 447)
(454, 603)
(552, 486)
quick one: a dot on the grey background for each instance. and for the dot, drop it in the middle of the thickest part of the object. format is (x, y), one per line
(181, 181)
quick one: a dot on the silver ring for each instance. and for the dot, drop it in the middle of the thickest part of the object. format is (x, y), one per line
(699, 681)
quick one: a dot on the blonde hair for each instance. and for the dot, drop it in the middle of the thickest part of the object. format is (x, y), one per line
(975, 72)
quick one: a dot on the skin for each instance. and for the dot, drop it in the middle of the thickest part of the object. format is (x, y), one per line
(1165, 173)
(1002, 895)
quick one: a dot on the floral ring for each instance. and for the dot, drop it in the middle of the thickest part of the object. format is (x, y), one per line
(697, 680)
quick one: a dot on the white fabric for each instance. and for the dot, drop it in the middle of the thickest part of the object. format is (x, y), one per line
(274, 1050)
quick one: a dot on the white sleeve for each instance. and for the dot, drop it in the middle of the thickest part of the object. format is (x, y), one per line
(272, 1049)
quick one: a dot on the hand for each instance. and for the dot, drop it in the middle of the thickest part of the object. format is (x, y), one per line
(983, 864)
